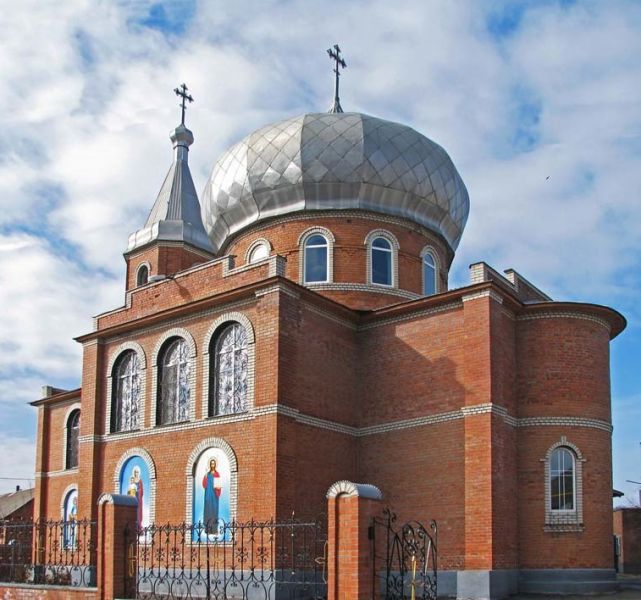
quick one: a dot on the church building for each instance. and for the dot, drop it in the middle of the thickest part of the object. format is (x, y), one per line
(294, 326)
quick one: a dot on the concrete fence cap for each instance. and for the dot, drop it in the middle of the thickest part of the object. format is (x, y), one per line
(347, 488)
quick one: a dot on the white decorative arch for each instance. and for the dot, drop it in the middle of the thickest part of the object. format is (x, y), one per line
(347, 488)
(254, 245)
(186, 335)
(212, 442)
(74, 406)
(147, 264)
(391, 238)
(142, 361)
(329, 236)
(70, 488)
(251, 357)
(564, 520)
(437, 268)
(151, 465)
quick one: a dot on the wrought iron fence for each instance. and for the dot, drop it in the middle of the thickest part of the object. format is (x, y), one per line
(405, 559)
(48, 552)
(248, 561)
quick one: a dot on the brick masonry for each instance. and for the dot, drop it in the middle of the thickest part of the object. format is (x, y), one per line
(449, 404)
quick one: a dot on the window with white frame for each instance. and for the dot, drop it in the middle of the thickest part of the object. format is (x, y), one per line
(73, 433)
(563, 487)
(142, 276)
(228, 387)
(316, 259)
(258, 252)
(173, 382)
(125, 402)
(381, 261)
(429, 274)
(562, 483)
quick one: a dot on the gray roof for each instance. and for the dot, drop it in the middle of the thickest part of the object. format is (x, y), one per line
(10, 503)
(326, 161)
(175, 216)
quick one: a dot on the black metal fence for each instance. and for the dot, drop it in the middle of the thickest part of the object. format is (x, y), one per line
(248, 561)
(405, 559)
(48, 552)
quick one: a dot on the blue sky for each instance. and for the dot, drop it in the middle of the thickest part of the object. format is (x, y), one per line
(537, 102)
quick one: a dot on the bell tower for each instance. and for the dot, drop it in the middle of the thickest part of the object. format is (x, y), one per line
(173, 237)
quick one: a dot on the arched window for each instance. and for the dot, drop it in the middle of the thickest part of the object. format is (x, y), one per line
(429, 274)
(173, 383)
(125, 404)
(258, 252)
(316, 259)
(73, 432)
(142, 276)
(381, 261)
(228, 389)
(562, 480)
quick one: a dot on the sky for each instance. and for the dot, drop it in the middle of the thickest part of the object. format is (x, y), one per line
(537, 102)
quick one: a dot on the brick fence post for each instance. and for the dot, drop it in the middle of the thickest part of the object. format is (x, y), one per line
(115, 564)
(351, 508)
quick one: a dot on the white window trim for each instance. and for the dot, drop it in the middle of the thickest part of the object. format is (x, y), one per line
(151, 466)
(72, 487)
(221, 321)
(437, 270)
(391, 238)
(329, 236)
(140, 266)
(142, 362)
(175, 332)
(564, 520)
(75, 406)
(206, 444)
(254, 245)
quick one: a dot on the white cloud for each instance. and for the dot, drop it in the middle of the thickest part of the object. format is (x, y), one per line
(87, 106)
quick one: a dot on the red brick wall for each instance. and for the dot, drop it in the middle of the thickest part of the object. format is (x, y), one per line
(350, 253)
(627, 525)
(163, 259)
(37, 592)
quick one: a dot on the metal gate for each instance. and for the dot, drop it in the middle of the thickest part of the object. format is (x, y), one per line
(404, 565)
(245, 561)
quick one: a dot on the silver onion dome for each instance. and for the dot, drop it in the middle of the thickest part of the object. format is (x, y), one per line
(335, 161)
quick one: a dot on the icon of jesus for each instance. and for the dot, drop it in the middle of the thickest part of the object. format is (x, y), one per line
(212, 498)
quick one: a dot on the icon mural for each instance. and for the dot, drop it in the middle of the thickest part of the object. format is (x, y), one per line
(134, 481)
(211, 483)
(70, 516)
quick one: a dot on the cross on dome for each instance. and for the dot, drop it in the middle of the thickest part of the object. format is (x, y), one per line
(335, 55)
(182, 92)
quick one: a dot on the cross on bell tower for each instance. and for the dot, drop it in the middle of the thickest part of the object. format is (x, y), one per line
(335, 55)
(182, 92)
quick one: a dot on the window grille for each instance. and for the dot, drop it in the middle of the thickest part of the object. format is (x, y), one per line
(230, 371)
(173, 405)
(126, 386)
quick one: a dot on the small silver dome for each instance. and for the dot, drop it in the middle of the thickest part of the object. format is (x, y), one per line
(326, 161)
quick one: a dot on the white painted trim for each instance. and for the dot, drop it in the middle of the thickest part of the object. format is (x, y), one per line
(70, 488)
(147, 264)
(202, 446)
(258, 242)
(437, 269)
(347, 488)
(391, 238)
(564, 315)
(180, 332)
(566, 520)
(331, 241)
(142, 361)
(221, 321)
(149, 461)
